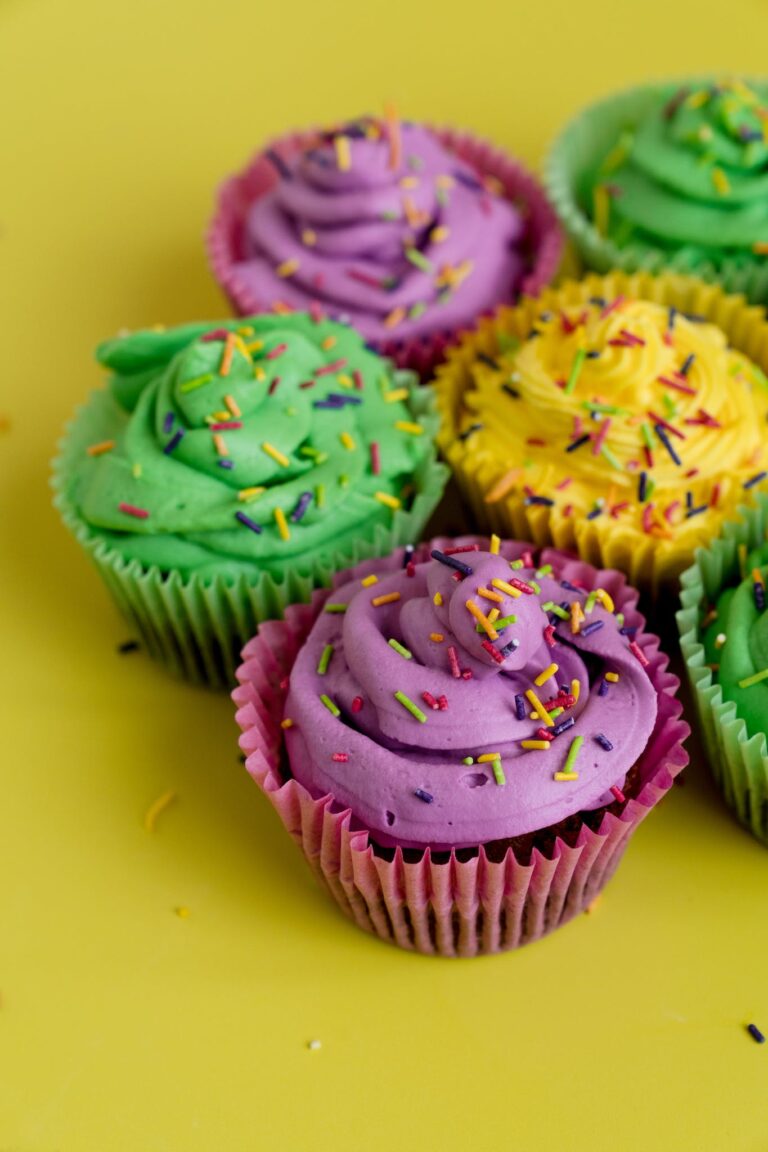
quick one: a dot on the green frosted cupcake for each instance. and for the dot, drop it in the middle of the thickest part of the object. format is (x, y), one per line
(724, 636)
(228, 469)
(670, 176)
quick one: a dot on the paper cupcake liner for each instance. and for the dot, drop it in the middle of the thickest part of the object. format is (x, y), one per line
(600, 542)
(196, 625)
(577, 152)
(466, 902)
(739, 763)
(543, 243)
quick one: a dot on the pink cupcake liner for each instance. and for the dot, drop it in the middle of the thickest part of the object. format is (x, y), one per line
(459, 903)
(544, 237)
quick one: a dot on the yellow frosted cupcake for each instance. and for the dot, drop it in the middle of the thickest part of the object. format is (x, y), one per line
(620, 417)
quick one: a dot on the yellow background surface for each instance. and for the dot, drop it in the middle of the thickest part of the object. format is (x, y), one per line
(123, 1026)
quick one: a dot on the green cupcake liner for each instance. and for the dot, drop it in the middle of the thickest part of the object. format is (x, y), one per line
(575, 155)
(197, 626)
(739, 763)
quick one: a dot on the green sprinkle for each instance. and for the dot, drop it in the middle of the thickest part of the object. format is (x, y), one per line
(556, 609)
(468, 760)
(419, 260)
(649, 487)
(590, 604)
(417, 310)
(578, 362)
(574, 750)
(409, 706)
(337, 608)
(515, 564)
(647, 438)
(620, 619)
(536, 587)
(314, 454)
(508, 343)
(441, 195)
(504, 622)
(498, 772)
(343, 480)
(390, 216)
(612, 458)
(545, 571)
(320, 495)
(605, 409)
(669, 404)
(398, 647)
(325, 659)
(750, 680)
(198, 382)
(330, 705)
(555, 713)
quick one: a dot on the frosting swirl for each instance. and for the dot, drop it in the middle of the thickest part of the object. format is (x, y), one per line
(736, 642)
(250, 441)
(692, 175)
(616, 416)
(380, 225)
(416, 697)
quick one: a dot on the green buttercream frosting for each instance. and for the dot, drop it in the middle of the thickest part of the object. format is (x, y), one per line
(195, 416)
(744, 650)
(692, 175)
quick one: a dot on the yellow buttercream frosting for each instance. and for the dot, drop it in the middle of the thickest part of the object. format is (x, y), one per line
(619, 423)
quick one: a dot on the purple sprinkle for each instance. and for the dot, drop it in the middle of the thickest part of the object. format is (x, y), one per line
(174, 441)
(628, 630)
(696, 511)
(508, 649)
(465, 435)
(467, 180)
(279, 164)
(604, 742)
(603, 689)
(407, 555)
(451, 562)
(671, 318)
(327, 404)
(341, 400)
(510, 391)
(427, 797)
(302, 504)
(520, 707)
(755, 1033)
(594, 513)
(568, 586)
(168, 422)
(254, 527)
(642, 486)
(578, 443)
(563, 726)
(755, 479)
(687, 364)
(667, 444)
(689, 499)
(226, 463)
(544, 500)
(759, 591)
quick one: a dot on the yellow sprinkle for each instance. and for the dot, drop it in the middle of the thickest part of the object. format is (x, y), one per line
(387, 598)
(576, 617)
(309, 238)
(603, 596)
(136, 470)
(394, 317)
(233, 406)
(487, 757)
(246, 330)
(437, 598)
(536, 745)
(156, 808)
(347, 441)
(539, 709)
(277, 456)
(345, 381)
(488, 595)
(697, 99)
(566, 775)
(508, 588)
(287, 268)
(259, 373)
(396, 394)
(437, 637)
(495, 544)
(320, 495)
(217, 417)
(282, 525)
(100, 448)
(219, 445)
(493, 615)
(255, 346)
(611, 677)
(250, 493)
(575, 689)
(546, 674)
(482, 620)
(601, 207)
(409, 426)
(742, 554)
(368, 580)
(385, 498)
(182, 913)
(343, 157)
(439, 234)
(328, 343)
(240, 345)
(409, 182)
(721, 182)
(503, 486)
(287, 723)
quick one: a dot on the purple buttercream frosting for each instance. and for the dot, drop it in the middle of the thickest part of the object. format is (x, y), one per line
(405, 778)
(399, 241)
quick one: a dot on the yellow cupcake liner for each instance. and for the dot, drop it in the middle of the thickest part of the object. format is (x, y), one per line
(652, 564)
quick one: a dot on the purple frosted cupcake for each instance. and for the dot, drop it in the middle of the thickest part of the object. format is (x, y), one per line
(406, 233)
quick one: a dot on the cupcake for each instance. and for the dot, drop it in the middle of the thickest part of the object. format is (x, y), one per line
(621, 418)
(724, 637)
(670, 175)
(227, 469)
(406, 232)
(472, 731)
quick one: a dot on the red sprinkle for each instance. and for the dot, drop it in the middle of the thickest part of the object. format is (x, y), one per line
(132, 510)
(563, 484)
(543, 734)
(275, 352)
(665, 380)
(563, 700)
(612, 307)
(273, 386)
(375, 458)
(357, 379)
(521, 584)
(442, 703)
(316, 311)
(227, 426)
(307, 384)
(357, 703)
(648, 456)
(466, 674)
(410, 568)
(283, 685)
(453, 660)
(493, 652)
(329, 369)
(527, 560)
(665, 424)
(340, 757)
(535, 442)
(637, 651)
(215, 334)
(618, 794)
(429, 699)
(461, 548)
(549, 635)
(715, 496)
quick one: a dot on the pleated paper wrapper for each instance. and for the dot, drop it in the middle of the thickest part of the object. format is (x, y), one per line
(471, 901)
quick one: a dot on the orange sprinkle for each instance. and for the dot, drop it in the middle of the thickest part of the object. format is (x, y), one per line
(233, 406)
(328, 343)
(437, 637)
(503, 486)
(482, 620)
(98, 449)
(388, 598)
(393, 132)
(227, 354)
(395, 317)
(219, 445)
(490, 595)
(287, 268)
